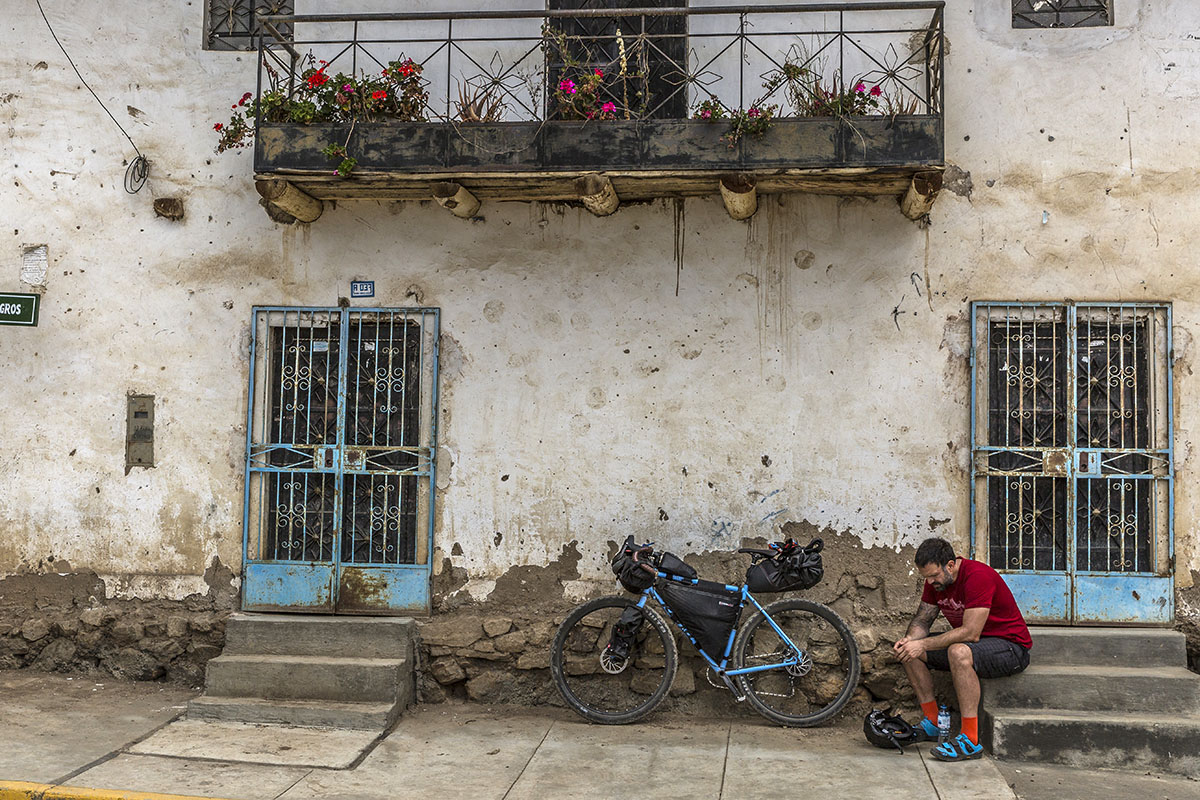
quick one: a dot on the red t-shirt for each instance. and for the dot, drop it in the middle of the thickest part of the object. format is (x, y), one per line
(980, 586)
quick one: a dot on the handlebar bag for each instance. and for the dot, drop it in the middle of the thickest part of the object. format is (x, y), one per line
(707, 614)
(629, 573)
(802, 570)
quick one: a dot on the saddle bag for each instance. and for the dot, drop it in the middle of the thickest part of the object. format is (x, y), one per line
(801, 569)
(708, 613)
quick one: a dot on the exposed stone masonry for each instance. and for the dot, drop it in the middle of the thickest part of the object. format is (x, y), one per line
(63, 623)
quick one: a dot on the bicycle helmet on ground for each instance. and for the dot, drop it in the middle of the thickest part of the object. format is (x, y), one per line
(888, 731)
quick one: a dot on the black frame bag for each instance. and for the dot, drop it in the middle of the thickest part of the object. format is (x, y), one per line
(801, 568)
(707, 611)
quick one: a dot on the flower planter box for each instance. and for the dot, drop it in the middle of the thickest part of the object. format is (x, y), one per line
(483, 146)
(647, 159)
(803, 143)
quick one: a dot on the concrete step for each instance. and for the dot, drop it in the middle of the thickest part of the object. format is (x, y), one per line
(304, 713)
(310, 635)
(1117, 647)
(1155, 742)
(276, 677)
(1172, 690)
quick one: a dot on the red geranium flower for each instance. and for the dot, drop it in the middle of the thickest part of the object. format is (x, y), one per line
(218, 126)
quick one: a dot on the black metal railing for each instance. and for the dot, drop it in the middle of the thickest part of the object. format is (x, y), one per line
(606, 64)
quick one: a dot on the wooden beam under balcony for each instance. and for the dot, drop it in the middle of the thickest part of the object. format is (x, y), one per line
(628, 185)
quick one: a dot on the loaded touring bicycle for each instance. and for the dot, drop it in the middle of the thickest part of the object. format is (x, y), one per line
(614, 659)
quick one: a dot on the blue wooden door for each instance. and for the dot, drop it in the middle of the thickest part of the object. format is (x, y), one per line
(1072, 460)
(340, 460)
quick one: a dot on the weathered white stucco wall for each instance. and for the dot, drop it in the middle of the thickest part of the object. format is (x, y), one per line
(792, 368)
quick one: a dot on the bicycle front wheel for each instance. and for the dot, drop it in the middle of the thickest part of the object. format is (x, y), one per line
(821, 664)
(600, 686)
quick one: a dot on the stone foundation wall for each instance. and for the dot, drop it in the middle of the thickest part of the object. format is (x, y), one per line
(63, 623)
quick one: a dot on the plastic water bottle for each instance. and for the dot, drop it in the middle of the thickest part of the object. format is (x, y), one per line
(943, 724)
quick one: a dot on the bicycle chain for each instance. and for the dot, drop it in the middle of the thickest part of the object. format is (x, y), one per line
(791, 678)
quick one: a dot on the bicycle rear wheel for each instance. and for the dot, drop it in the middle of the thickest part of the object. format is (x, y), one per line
(821, 672)
(599, 689)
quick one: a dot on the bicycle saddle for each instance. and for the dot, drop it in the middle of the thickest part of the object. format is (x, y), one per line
(755, 552)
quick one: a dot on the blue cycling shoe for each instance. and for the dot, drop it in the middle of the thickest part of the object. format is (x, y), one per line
(960, 748)
(928, 728)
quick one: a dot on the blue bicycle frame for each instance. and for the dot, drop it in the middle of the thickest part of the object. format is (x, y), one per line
(792, 660)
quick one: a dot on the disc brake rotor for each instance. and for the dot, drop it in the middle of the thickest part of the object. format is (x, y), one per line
(801, 667)
(613, 666)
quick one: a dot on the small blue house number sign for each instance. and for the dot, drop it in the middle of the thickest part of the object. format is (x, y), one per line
(362, 288)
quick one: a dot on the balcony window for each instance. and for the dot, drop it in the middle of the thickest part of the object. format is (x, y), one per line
(646, 55)
(234, 24)
(1061, 13)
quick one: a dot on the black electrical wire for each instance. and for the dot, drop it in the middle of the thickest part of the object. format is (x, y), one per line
(139, 168)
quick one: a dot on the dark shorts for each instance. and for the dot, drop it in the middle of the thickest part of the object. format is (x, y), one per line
(994, 658)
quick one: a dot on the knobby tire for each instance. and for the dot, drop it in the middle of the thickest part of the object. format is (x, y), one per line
(836, 659)
(574, 663)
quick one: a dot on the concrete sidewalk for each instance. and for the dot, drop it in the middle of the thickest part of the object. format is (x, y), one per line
(107, 735)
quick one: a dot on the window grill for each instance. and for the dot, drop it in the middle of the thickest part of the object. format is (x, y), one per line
(235, 25)
(1061, 13)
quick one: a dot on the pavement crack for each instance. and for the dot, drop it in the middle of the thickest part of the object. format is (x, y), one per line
(725, 764)
(545, 736)
(932, 785)
(293, 784)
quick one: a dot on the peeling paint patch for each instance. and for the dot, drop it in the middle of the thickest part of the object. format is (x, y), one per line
(958, 181)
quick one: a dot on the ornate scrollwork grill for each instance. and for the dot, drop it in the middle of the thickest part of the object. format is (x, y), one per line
(377, 446)
(1075, 456)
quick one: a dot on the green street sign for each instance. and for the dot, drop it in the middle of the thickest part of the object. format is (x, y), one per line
(19, 309)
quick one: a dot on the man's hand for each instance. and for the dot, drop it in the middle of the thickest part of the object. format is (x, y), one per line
(908, 648)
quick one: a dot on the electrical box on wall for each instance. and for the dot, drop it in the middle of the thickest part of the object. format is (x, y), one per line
(139, 432)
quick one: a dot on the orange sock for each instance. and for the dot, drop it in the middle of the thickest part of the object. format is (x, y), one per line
(930, 710)
(970, 726)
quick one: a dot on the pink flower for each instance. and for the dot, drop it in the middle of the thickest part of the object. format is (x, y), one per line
(608, 107)
(347, 89)
(876, 91)
(753, 112)
(706, 114)
(861, 87)
(599, 73)
(567, 86)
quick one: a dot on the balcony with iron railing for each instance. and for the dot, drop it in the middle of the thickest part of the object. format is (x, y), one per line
(602, 105)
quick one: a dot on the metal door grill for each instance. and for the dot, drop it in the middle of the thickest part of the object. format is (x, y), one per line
(340, 459)
(1072, 457)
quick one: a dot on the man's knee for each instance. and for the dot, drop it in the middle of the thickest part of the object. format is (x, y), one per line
(960, 656)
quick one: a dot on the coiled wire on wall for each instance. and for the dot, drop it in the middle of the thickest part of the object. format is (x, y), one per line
(138, 169)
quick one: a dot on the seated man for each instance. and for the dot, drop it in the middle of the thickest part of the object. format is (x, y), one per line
(988, 639)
